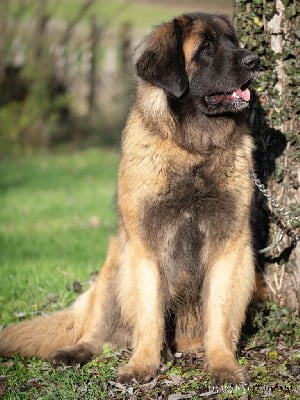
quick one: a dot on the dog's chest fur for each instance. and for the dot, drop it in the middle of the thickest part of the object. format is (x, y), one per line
(185, 206)
(189, 220)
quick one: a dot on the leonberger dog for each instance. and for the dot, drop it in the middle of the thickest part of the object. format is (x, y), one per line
(180, 272)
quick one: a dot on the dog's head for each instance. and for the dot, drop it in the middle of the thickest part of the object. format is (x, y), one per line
(198, 56)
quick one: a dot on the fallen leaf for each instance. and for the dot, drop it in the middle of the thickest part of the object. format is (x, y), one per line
(94, 221)
(20, 315)
(176, 378)
(3, 384)
(180, 396)
(77, 287)
(52, 298)
(8, 364)
(148, 386)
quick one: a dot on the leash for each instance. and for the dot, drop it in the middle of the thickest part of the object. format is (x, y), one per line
(284, 218)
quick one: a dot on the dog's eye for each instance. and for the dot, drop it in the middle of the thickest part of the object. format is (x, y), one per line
(205, 47)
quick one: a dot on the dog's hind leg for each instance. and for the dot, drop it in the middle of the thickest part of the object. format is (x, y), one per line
(142, 308)
(228, 287)
(100, 310)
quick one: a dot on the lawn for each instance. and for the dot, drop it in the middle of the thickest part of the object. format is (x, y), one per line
(115, 12)
(57, 212)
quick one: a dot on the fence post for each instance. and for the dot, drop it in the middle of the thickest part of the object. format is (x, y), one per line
(93, 81)
(3, 27)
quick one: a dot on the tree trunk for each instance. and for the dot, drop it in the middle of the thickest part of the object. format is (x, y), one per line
(272, 29)
(3, 29)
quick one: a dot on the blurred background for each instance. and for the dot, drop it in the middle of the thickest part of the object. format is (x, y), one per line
(65, 67)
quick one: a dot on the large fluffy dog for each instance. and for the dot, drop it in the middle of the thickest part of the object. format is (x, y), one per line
(180, 272)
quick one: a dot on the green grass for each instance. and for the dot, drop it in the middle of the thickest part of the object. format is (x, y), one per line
(57, 212)
(115, 12)
(36, 379)
(112, 12)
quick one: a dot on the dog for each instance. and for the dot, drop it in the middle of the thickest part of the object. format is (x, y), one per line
(180, 271)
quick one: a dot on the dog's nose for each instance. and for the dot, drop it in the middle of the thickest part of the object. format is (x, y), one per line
(250, 61)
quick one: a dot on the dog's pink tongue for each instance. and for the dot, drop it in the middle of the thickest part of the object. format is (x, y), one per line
(243, 94)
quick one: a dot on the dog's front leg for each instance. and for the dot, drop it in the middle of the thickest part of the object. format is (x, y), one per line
(142, 308)
(228, 287)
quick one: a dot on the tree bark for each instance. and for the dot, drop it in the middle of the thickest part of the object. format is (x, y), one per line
(272, 30)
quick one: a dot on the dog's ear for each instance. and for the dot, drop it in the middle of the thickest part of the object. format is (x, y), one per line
(162, 61)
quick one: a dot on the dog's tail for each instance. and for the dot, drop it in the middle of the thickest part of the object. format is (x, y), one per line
(42, 336)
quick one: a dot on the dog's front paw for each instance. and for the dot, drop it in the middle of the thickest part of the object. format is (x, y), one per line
(140, 373)
(236, 376)
(71, 355)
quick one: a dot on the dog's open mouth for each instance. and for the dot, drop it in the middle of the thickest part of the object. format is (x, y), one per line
(241, 94)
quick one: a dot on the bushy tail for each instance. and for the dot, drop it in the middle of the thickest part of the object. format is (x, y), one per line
(41, 336)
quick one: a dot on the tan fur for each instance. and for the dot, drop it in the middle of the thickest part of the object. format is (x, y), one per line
(137, 288)
(29, 337)
(227, 297)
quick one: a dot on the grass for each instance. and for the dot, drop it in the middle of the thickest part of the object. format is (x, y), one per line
(35, 379)
(57, 211)
(116, 12)
(113, 12)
